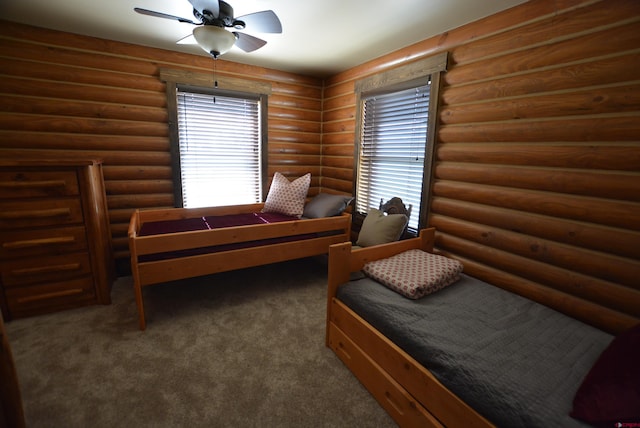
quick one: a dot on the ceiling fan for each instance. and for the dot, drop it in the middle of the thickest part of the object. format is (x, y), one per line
(214, 16)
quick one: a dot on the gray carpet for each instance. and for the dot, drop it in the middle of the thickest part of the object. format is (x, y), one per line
(237, 349)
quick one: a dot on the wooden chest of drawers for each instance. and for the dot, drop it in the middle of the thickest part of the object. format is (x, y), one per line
(55, 245)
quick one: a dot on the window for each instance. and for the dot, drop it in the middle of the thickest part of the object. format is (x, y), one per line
(393, 148)
(219, 146)
(395, 137)
(218, 138)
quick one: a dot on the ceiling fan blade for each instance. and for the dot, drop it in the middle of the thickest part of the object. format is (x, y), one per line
(248, 43)
(263, 22)
(162, 15)
(211, 5)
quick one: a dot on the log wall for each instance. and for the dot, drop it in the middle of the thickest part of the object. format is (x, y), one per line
(536, 183)
(88, 97)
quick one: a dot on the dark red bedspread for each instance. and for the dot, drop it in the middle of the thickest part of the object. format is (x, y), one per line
(211, 222)
(215, 222)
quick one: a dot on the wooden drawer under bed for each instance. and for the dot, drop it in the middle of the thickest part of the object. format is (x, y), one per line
(402, 407)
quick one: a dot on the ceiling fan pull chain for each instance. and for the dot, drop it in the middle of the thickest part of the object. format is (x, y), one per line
(215, 80)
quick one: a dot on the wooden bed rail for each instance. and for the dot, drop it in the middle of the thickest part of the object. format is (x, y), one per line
(154, 244)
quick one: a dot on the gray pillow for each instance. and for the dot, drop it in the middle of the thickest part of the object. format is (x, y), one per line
(379, 228)
(326, 205)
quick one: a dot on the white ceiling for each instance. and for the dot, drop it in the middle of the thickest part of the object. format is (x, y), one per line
(319, 37)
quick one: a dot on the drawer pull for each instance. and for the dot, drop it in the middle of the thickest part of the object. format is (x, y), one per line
(39, 242)
(44, 296)
(47, 269)
(53, 212)
(32, 184)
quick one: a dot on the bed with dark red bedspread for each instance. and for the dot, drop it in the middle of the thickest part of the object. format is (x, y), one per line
(178, 243)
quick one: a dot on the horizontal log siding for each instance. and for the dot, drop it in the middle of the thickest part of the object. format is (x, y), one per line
(102, 99)
(537, 168)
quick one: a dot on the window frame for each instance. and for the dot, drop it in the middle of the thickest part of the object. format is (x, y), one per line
(221, 86)
(397, 79)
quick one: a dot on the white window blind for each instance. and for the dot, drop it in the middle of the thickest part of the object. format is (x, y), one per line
(392, 149)
(219, 143)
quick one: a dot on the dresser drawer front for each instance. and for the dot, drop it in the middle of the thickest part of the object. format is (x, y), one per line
(40, 212)
(16, 273)
(49, 297)
(31, 183)
(29, 243)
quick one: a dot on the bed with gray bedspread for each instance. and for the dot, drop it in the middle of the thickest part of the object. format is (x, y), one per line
(516, 362)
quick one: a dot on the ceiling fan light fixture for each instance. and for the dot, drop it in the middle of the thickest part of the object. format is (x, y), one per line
(214, 40)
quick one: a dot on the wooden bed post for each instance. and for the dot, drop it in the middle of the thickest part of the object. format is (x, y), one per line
(139, 302)
(134, 226)
(427, 236)
(11, 409)
(338, 274)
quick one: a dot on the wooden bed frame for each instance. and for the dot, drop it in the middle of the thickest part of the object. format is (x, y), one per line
(404, 388)
(152, 272)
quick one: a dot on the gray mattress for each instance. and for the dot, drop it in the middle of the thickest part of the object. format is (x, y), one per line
(516, 362)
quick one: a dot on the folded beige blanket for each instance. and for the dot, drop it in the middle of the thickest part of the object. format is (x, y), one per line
(414, 273)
